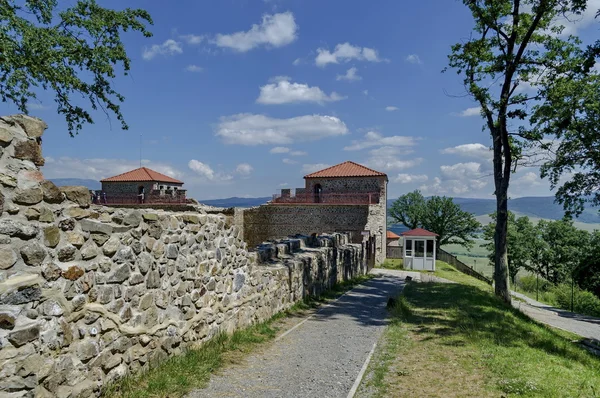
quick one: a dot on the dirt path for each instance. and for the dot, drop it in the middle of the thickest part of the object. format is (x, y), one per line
(320, 357)
(583, 325)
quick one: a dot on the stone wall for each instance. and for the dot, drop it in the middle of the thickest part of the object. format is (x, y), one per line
(90, 293)
(348, 184)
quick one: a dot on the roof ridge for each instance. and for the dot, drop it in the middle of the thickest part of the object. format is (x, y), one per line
(347, 163)
(119, 175)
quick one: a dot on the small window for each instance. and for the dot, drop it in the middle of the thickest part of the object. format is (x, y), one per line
(429, 251)
(409, 244)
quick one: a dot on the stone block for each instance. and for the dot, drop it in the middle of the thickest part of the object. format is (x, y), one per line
(8, 257)
(75, 239)
(32, 126)
(153, 280)
(73, 273)
(24, 335)
(78, 213)
(51, 271)
(46, 215)
(172, 251)
(29, 196)
(99, 239)
(150, 217)
(6, 136)
(32, 213)
(51, 236)
(133, 218)
(33, 254)
(79, 195)
(29, 150)
(22, 296)
(111, 246)
(51, 193)
(89, 250)
(66, 253)
(120, 274)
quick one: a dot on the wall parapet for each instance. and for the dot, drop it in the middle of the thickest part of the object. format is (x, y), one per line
(90, 293)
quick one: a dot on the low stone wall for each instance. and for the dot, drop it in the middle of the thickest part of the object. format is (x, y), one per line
(90, 293)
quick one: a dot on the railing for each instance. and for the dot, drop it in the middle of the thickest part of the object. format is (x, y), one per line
(355, 198)
(446, 257)
(130, 199)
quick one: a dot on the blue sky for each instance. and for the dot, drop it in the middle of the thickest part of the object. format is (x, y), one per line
(244, 97)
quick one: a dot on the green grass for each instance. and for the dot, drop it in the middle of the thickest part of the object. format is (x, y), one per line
(178, 375)
(393, 263)
(460, 340)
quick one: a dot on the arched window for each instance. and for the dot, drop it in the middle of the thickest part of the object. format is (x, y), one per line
(318, 190)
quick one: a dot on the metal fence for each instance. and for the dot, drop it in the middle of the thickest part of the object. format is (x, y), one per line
(351, 198)
(137, 199)
(444, 256)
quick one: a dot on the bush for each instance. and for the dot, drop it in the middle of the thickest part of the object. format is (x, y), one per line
(584, 302)
(528, 283)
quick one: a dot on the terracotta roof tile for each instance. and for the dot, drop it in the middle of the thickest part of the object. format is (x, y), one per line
(346, 169)
(391, 235)
(419, 232)
(142, 174)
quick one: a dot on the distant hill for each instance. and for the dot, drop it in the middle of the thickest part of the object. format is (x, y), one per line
(89, 184)
(536, 207)
(236, 202)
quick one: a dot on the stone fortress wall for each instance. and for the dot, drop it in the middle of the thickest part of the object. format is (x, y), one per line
(90, 293)
(273, 220)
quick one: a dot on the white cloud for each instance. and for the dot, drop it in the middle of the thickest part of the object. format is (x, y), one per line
(169, 47)
(476, 150)
(373, 138)
(573, 23)
(274, 31)
(251, 129)
(289, 161)
(311, 168)
(391, 108)
(36, 106)
(280, 149)
(413, 59)
(475, 111)
(297, 61)
(298, 153)
(410, 178)
(461, 171)
(193, 39)
(366, 92)
(528, 179)
(283, 184)
(350, 75)
(392, 163)
(345, 52)
(282, 91)
(244, 169)
(194, 68)
(202, 169)
(458, 179)
(99, 168)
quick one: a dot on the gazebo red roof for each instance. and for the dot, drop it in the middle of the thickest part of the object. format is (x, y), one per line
(419, 232)
(391, 235)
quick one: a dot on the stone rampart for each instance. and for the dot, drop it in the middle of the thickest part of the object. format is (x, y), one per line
(90, 293)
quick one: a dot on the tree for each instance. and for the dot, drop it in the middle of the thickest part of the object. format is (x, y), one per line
(436, 214)
(515, 42)
(408, 209)
(70, 51)
(453, 225)
(588, 274)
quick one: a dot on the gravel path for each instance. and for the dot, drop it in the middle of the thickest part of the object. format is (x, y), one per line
(321, 357)
(583, 325)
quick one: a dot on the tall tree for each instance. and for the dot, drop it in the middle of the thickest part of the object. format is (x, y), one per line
(409, 209)
(453, 225)
(514, 41)
(69, 51)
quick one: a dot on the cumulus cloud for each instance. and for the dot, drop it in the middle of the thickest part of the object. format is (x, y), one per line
(461, 171)
(289, 161)
(476, 150)
(244, 169)
(169, 47)
(413, 59)
(298, 153)
(373, 139)
(251, 129)
(202, 169)
(194, 68)
(311, 168)
(475, 111)
(282, 91)
(280, 149)
(345, 52)
(99, 168)
(275, 30)
(528, 179)
(410, 178)
(391, 108)
(297, 61)
(193, 39)
(351, 75)
(458, 179)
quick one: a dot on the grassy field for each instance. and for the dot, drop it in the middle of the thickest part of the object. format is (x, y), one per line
(179, 375)
(459, 340)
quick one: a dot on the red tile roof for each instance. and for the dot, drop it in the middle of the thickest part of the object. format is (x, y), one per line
(391, 235)
(346, 169)
(142, 174)
(419, 232)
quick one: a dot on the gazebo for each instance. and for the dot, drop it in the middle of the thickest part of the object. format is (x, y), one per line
(419, 249)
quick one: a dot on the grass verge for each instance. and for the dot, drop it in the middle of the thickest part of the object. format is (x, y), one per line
(393, 263)
(458, 339)
(179, 375)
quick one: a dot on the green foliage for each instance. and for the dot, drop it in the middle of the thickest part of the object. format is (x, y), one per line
(514, 42)
(409, 209)
(436, 214)
(70, 51)
(588, 273)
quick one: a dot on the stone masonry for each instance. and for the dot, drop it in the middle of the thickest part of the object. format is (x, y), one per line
(91, 293)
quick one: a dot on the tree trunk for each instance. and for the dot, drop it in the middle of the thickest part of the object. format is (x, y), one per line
(501, 276)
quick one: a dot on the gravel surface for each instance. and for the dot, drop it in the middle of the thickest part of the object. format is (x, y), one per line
(320, 358)
(583, 325)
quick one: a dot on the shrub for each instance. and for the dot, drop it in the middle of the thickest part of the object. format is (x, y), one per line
(584, 302)
(528, 283)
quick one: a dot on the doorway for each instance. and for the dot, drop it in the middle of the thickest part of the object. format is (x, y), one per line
(318, 191)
